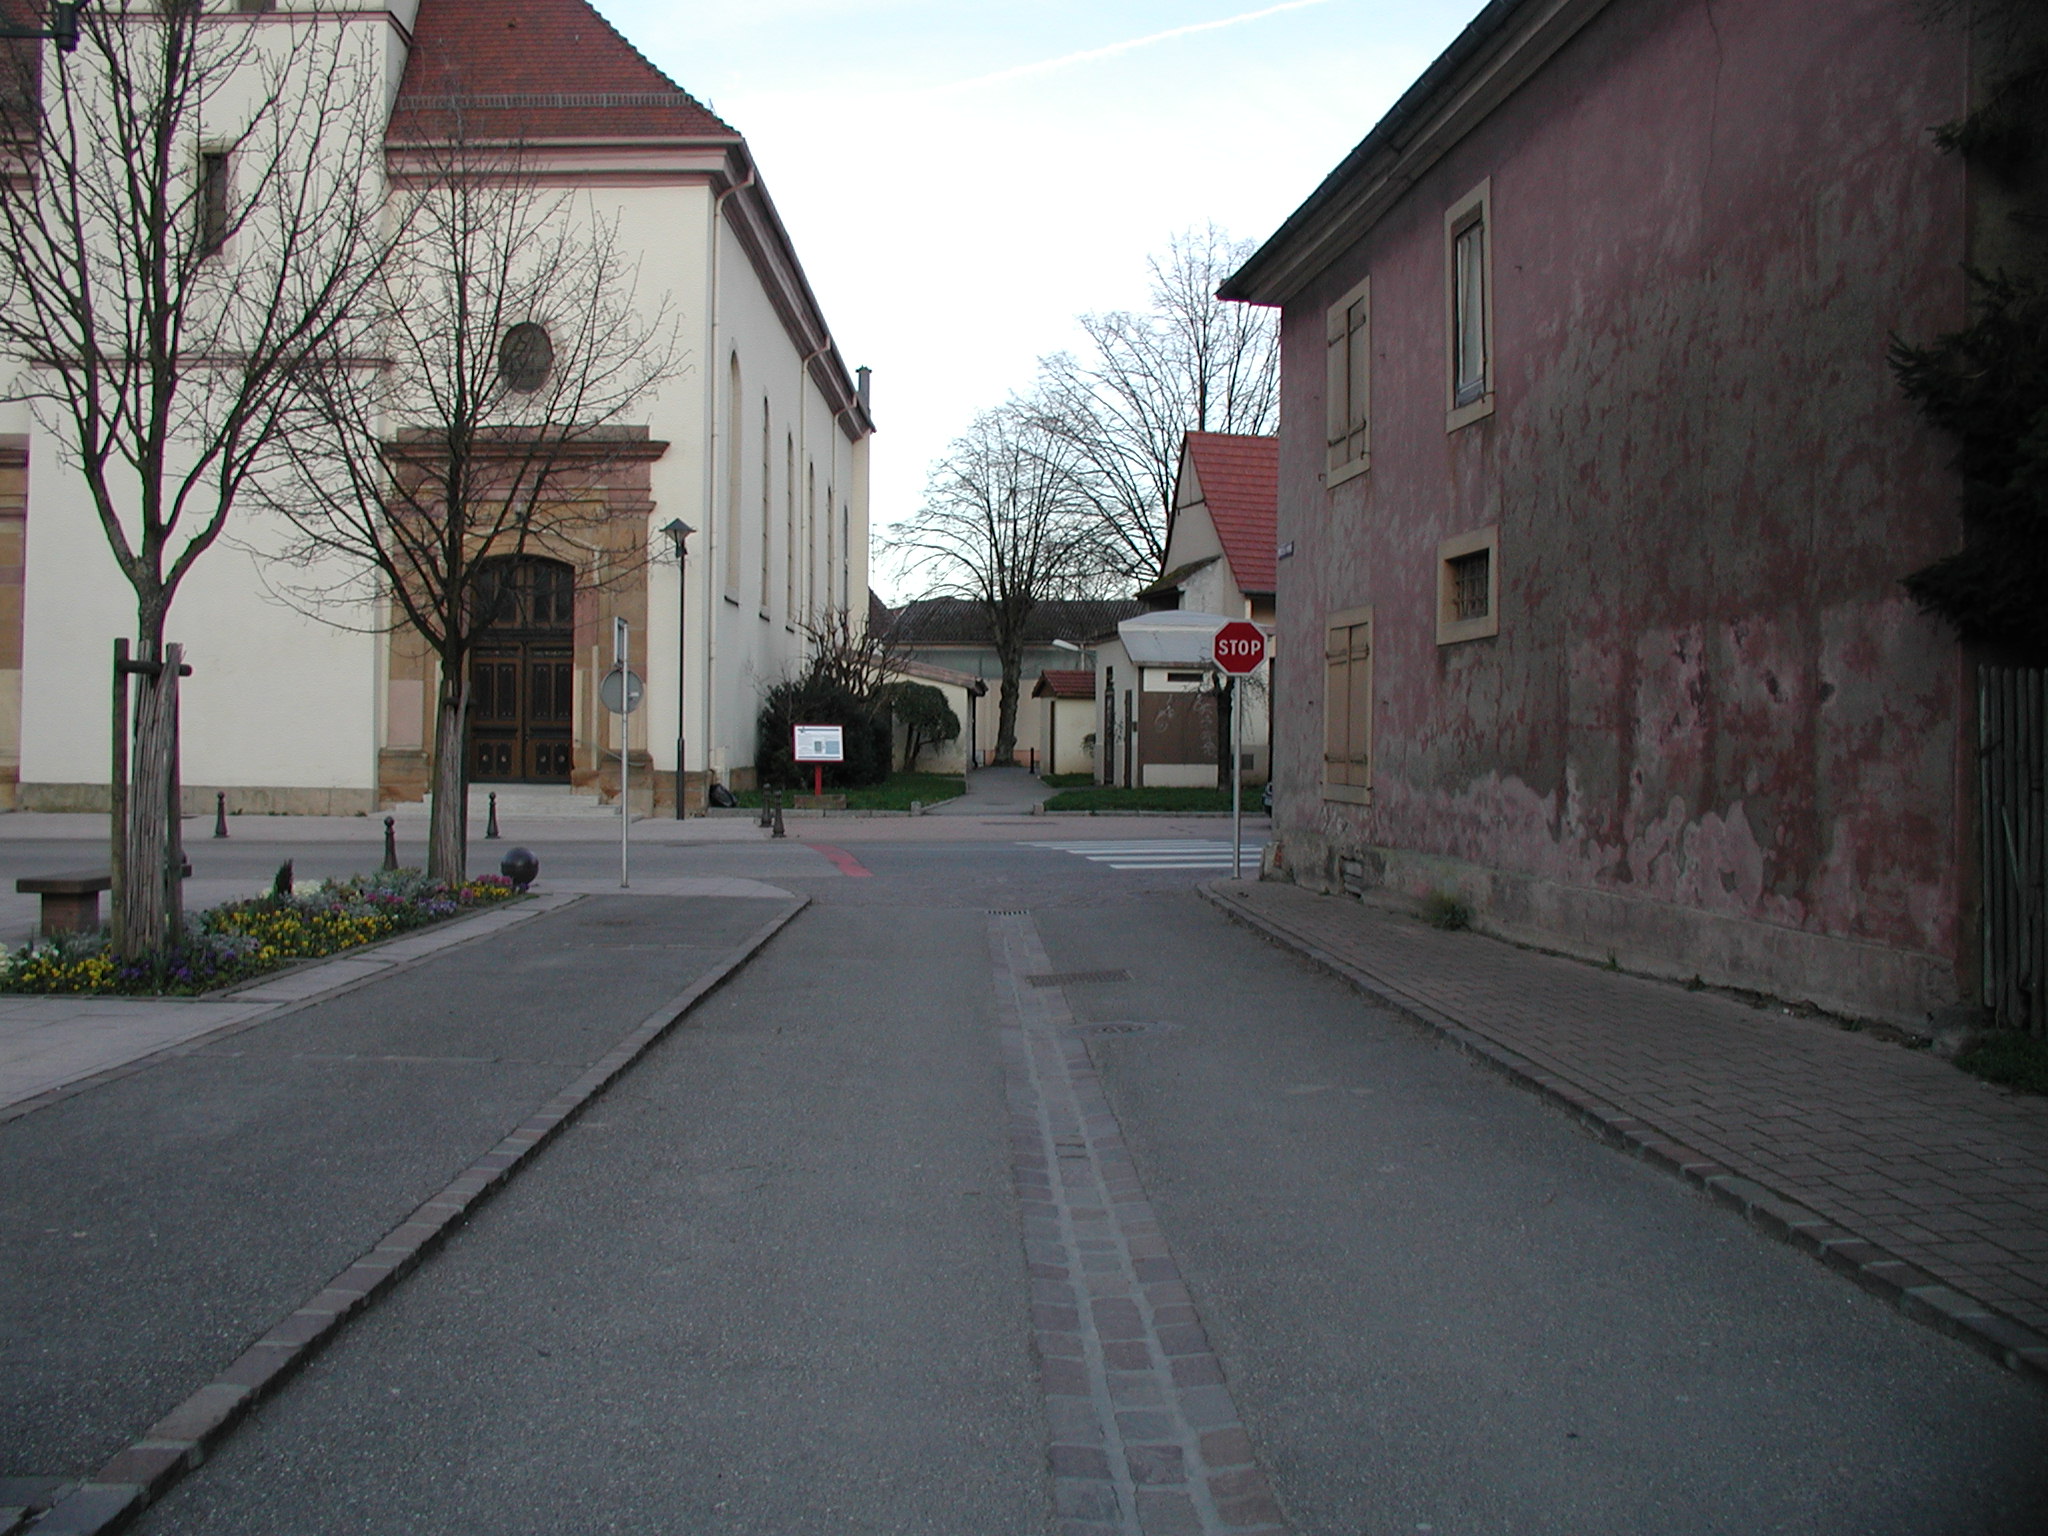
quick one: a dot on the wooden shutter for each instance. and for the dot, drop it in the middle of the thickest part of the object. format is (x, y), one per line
(1347, 377)
(1347, 706)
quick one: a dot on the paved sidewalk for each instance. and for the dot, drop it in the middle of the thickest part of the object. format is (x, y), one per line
(1926, 1185)
(996, 792)
(280, 1175)
(48, 1044)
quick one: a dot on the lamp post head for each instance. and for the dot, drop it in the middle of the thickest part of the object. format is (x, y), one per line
(678, 531)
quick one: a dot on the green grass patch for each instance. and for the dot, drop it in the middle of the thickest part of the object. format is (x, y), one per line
(2010, 1058)
(1440, 909)
(893, 794)
(1104, 798)
(1068, 780)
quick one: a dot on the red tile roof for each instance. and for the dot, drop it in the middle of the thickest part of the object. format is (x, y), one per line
(536, 70)
(1240, 479)
(1063, 683)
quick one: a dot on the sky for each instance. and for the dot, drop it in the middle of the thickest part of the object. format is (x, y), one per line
(962, 179)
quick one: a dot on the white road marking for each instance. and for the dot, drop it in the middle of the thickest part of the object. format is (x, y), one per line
(1158, 853)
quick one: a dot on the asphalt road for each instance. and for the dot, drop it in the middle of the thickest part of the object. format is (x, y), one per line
(773, 1281)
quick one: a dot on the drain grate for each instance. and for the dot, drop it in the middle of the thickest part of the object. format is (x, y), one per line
(1115, 1027)
(1008, 912)
(1077, 978)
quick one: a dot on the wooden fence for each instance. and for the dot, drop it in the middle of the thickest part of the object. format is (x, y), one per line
(2012, 739)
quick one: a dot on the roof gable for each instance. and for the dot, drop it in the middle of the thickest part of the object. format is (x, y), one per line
(536, 70)
(1240, 481)
(931, 621)
(1064, 683)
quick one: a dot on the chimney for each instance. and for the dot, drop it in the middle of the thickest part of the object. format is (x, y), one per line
(860, 388)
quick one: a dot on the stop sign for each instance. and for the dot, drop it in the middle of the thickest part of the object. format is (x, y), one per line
(1240, 647)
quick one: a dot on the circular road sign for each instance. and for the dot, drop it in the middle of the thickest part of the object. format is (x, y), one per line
(1240, 647)
(620, 697)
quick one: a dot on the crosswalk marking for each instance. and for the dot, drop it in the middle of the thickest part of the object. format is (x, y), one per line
(1157, 853)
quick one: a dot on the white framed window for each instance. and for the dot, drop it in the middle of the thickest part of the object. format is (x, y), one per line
(789, 529)
(767, 482)
(1468, 292)
(1347, 706)
(1347, 389)
(211, 205)
(1468, 586)
(735, 453)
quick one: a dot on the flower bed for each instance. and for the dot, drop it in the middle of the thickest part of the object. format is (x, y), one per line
(242, 939)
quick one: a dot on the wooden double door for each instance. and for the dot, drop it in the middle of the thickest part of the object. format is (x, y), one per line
(522, 679)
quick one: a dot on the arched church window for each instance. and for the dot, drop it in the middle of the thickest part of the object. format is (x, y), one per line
(525, 354)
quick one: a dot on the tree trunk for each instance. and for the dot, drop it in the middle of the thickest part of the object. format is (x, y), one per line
(149, 909)
(448, 820)
(1006, 707)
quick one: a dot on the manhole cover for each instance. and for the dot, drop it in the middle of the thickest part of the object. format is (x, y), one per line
(1077, 978)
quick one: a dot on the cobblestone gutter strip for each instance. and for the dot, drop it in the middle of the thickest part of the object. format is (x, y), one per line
(138, 1476)
(1912, 1290)
(1144, 1438)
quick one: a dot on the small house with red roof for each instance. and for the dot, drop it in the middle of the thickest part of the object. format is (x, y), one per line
(1168, 726)
(758, 441)
(1064, 700)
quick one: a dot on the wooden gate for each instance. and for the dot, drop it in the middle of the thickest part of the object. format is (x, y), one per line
(522, 677)
(2012, 742)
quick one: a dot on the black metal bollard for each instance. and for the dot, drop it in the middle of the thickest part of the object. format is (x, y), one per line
(491, 826)
(766, 819)
(220, 813)
(520, 867)
(778, 816)
(390, 842)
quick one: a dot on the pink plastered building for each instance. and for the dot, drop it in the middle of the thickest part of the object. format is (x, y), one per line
(1596, 491)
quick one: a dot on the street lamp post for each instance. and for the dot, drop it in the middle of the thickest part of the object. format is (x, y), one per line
(679, 532)
(62, 30)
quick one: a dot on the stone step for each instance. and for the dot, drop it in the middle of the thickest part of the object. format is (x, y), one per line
(523, 802)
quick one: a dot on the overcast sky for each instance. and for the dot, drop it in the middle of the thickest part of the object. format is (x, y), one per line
(962, 178)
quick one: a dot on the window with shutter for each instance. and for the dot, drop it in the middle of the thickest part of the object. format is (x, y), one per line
(1347, 390)
(1468, 288)
(1347, 707)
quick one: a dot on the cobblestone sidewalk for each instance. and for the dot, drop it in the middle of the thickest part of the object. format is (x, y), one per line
(1925, 1184)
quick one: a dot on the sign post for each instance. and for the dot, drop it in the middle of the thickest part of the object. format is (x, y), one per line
(1239, 648)
(819, 745)
(620, 691)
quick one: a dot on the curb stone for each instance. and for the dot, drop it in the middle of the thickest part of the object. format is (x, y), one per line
(138, 1476)
(1911, 1290)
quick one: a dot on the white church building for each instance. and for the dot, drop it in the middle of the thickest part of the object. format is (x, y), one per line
(759, 443)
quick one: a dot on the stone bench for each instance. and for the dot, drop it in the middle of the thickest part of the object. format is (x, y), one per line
(71, 903)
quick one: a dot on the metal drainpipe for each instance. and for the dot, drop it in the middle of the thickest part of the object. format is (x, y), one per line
(712, 524)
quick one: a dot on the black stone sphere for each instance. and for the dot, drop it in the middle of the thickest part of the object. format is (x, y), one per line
(519, 866)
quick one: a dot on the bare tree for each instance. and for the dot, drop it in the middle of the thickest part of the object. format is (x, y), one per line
(512, 351)
(1189, 363)
(185, 216)
(1003, 525)
(851, 653)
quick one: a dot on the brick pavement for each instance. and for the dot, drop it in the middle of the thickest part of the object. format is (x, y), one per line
(1144, 1438)
(1925, 1184)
